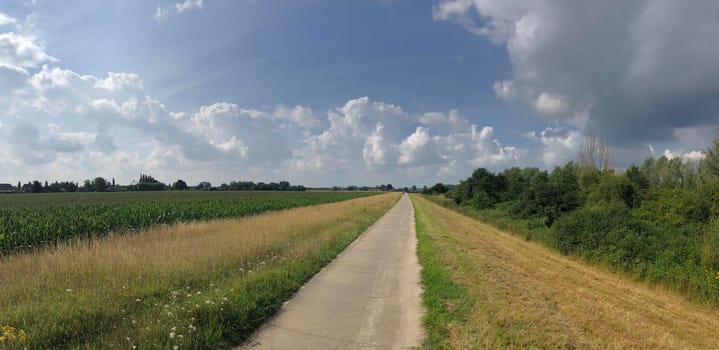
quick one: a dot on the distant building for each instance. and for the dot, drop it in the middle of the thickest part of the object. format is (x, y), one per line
(7, 188)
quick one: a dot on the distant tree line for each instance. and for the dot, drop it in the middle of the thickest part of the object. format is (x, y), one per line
(149, 183)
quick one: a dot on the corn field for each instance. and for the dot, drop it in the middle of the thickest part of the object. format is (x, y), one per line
(30, 227)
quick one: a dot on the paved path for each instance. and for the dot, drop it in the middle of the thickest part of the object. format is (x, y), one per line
(367, 298)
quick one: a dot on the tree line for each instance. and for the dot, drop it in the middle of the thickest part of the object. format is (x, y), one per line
(149, 183)
(658, 220)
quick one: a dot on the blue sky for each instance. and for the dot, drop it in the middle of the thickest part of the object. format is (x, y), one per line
(347, 92)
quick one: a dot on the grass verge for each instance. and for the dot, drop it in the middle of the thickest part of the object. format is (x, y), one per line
(189, 286)
(524, 296)
(446, 303)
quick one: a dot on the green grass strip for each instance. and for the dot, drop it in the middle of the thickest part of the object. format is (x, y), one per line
(445, 301)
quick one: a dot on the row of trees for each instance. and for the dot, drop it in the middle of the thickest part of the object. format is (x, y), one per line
(149, 183)
(658, 220)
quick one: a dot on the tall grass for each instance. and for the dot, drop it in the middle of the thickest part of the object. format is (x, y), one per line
(197, 285)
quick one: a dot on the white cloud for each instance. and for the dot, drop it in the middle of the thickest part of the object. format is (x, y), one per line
(20, 52)
(300, 115)
(505, 90)
(416, 149)
(375, 151)
(560, 145)
(693, 156)
(452, 121)
(490, 152)
(188, 5)
(120, 81)
(6, 20)
(161, 15)
(550, 105)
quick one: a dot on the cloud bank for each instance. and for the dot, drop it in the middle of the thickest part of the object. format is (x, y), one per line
(632, 71)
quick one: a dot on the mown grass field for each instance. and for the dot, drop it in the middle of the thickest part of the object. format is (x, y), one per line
(487, 289)
(199, 285)
(37, 220)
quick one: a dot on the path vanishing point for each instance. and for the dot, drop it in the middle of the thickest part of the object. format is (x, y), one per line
(367, 298)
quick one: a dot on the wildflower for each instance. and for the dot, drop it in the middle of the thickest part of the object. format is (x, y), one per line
(172, 335)
(138, 300)
(175, 347)
(11, 333)
(717, 276)
(68, 290)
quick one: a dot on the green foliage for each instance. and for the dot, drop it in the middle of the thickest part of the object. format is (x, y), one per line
(613, 189)
(711, 161)
(439, 188)
(25, 228)
(481, 190)
(179, 185)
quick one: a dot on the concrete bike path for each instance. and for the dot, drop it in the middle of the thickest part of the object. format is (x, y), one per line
(367, 298)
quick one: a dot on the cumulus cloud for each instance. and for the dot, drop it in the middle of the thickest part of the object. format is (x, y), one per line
(20, 52)
(416, 148)
(120, 81)
(6, 20)
(442, 122)
(188, 5)
(613, 66)
(693, 156)
(560, 145)
(300, 115)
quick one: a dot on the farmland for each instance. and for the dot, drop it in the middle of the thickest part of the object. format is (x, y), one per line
(202, 284)
(34, 220)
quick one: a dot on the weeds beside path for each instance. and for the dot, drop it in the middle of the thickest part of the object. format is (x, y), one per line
(200, 285)
(487, 289)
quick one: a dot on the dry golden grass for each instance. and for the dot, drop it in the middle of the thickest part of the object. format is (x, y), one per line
(92, 281)
(527, 296)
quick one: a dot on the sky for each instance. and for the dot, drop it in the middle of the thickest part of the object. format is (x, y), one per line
(364, 92)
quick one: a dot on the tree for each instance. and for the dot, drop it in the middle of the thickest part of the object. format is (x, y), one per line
(711, 160)
(100, 184)
(439, 188)
(594, 158)
(179, 185)
(36, 187)
(88, 186)
(637, 177)
(204, 185)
